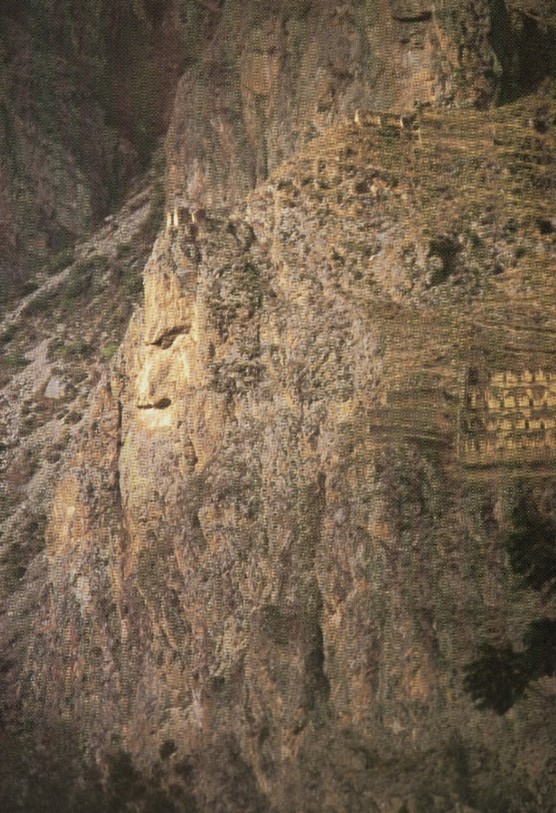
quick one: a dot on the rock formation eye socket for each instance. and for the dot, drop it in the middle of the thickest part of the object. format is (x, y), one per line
(167, 338)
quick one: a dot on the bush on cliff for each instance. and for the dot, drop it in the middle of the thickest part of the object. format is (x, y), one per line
(500, 675)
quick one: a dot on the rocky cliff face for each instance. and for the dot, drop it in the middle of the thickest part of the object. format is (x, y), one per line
(85, 90)
(276, 537)
(272, 76)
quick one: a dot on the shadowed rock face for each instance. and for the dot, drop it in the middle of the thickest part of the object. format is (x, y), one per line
(84, 96)
(270, 546)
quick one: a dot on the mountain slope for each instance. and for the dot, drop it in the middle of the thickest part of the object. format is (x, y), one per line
(275, 538)
(85, 90)
(271, 534)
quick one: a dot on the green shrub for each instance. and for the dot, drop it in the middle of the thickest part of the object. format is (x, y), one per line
(109, 350)
(60, 261)
(73, 417)
(156, 214)
(8, 334)
(55, 348)
(78, 283)
(17, 360)
(167, 748)
(84, 274)
(78, 348)
(124, 250)
(29, 287)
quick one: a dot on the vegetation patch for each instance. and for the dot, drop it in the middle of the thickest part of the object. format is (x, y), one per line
(500, 675)
(109, 350)
(84, 276)
(17, 360)
(17, 557)
(9, 333)
(60, 261)
(40, 305)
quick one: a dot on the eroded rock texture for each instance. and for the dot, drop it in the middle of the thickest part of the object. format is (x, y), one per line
(273, 75)
(276, 540)
(267, 545)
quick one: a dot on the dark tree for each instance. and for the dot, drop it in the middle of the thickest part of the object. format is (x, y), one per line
(531, 548)
(499, 676)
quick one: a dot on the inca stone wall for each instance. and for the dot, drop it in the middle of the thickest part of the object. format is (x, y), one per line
(508, 416)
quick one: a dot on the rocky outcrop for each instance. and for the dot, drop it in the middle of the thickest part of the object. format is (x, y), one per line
(249, 102)
(268, 548)
(275, 541)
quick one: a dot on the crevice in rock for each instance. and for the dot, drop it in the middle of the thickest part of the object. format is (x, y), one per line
(119, 444)
(318, 685)
(119, 424)
(163, 403)
(445, 248)
(412, 17)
